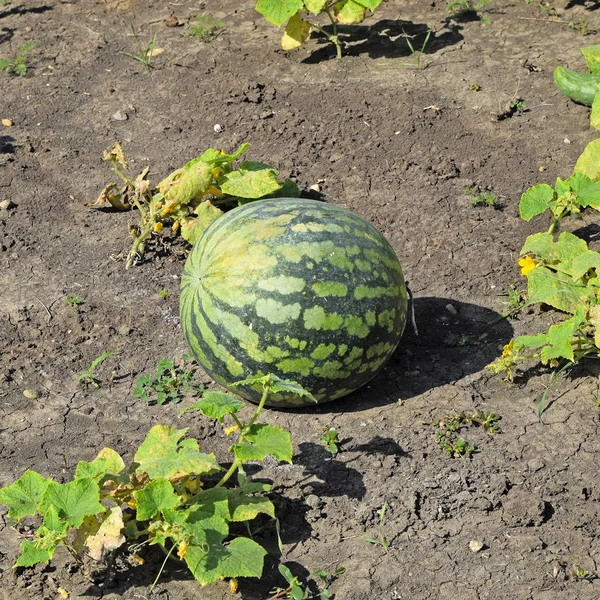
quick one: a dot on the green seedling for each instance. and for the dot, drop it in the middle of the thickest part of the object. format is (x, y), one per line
(515, 107)
(330, 439)
(448, 427)
(87, 378)
(18, 65)
(301, 17)
(545, 7)
(170, 496)
(164, 294)
(206, 29)
(169, 383)
(145, 52)
(74, 300)
(581, 26)
(515, 300)
(192, 197)
(481, 198)
(476, 87)
(382, 540)
(417, 55)
(295, 590)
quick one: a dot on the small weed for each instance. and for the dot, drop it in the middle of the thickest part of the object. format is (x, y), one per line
(481, 198)
(545, 7)
(515, 107)
(382, 541)
(581, 26)
(448, 427)
(417, 54)
(164, 294)
(296, 590)
(145, 53)
(74, 300)
(87, 378)
(578, 572)
(206, 29)
(330, 439)
(18, 65)
(169, 383)
(476, 87)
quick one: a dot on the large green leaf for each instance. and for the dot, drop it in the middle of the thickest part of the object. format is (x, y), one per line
(193, 228)
(278, 11)
(584, 262)
(315, 6)
(250, 181)
(349, 12)
(535, 201)
(587, 191)
(218, 158)
(108, 462)
(212, 502)
(592, 57)
(555, 289)
(595, 114)
(542, 246)
(245, 508)
(73, 500)
(164, 454)
(370, 4)
(262, 441)
(156, 496)
(561, 336)
(24, 495)
(31, 555)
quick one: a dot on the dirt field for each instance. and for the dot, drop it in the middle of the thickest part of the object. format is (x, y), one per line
(397, 145)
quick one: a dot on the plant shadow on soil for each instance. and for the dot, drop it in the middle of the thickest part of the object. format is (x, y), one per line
(387, 38)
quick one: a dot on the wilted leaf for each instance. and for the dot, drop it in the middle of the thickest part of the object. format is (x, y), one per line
(164, 454)
(116, 153)
(109, 536)
(184, 185)
(296, 33)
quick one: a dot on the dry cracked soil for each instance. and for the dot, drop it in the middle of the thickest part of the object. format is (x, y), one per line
(401, 147)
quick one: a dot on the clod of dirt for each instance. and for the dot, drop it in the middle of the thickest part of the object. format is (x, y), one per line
(522, 507)
(120, 115)
(7, 205)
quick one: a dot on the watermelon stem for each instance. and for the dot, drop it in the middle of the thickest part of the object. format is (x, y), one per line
(243, 429)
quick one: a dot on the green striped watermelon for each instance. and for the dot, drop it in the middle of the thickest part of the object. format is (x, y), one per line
(305, 290)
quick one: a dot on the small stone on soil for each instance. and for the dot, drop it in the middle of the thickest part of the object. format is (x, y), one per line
(120, 115)
(7, 205)
(7, 123)
(476, 545)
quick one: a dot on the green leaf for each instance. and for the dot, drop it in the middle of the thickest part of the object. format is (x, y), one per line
(315, 6)
(370, 4)
(589, 161)
(296, 33)
(31, 554)
(164, 454)
(278, 11)
(156, 496)
(246, 508)
(531, 341)
(217, 158)
(108, 462)
(212, 502)
(216, 405)
(587, 191)
(555, 289)
(212, 561)
(252, 184)
(568, 247)
(592, 58)
(24, 495)
(560, 337)
(535, 201)
(74, 500)
(349, 12)
(274, 384)
(262, 441)
(184, 185)
(288, 189)
(584, 262)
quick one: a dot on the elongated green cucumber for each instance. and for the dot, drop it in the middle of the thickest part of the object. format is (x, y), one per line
(580, 87)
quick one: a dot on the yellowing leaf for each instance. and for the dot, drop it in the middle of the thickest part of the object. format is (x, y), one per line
(594, 319)
(595, 115)
(116, 153)
(349, 12)
(109, 536)
(315, 6)
(296, 33)
(589, 161)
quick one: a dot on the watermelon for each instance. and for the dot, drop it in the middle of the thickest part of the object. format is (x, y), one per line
(305, 290)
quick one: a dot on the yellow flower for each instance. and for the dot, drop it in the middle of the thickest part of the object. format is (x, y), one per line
(527, 264)
(230, 430)
(158, 227)
(182, 551)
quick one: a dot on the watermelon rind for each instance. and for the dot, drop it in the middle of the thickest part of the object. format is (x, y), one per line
(302, 289)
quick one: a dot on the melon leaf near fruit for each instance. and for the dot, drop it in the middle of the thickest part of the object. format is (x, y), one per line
(305, 290)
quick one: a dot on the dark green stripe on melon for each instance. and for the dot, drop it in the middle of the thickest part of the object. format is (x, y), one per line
(305, 290)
